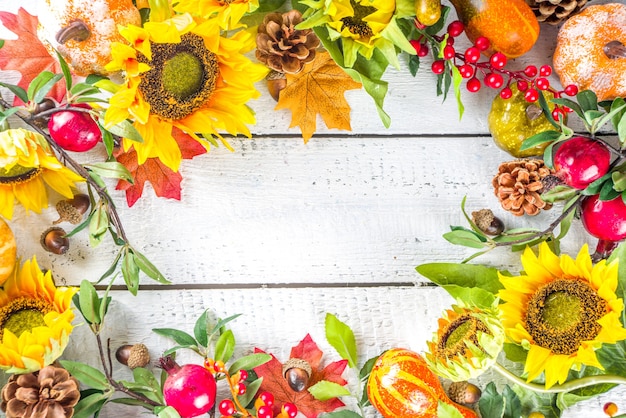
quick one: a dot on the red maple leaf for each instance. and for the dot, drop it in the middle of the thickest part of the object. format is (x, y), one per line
(27, 54)
(165, 182)
(276, 384)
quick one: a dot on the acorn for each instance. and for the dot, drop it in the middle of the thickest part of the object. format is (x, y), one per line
(55, 240)
(276, 81)
(464, 393)
(72, 210)
(133, 356)
(487, 222)
(297, 372)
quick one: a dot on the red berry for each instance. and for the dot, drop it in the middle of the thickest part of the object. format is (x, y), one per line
(506, 93)
(494, 80)
(415, 44)
(438, 66)
(448, 52)
(581, 160)
(74, 130)
(473, 85)
(241, 388)
(545, 70)
(531, 95)
(571, 90)
(610, 409)
(472, 54)
(542, 83)
(498, 60)
(482, 43)
(450, 41)
(265, 412)
(290, 409)
(456, 28)
(423, 51)
(267, 398)
(605, 220)
(522, 85)
(243, 375)
(558, 113)
(227, 407)
(530, 71)
(466, 71)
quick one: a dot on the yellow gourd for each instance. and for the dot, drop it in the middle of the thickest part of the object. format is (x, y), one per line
(8, 251)
(82, 30)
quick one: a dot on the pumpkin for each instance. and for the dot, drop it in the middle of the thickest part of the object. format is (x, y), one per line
(82, 30)
(590, 51)
(510, 25)
(402, 386)
(8, 251)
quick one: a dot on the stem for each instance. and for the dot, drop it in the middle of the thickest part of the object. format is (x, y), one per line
(565, 387)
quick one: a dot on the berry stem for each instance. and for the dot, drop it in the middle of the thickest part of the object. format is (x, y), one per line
(604, 248)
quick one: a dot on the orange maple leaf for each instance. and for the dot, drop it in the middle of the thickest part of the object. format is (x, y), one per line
(318, 89)
(277, 385)
(27, 54)
(165, 182)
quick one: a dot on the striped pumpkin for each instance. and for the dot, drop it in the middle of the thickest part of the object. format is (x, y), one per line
(8, 251)
(402, 386)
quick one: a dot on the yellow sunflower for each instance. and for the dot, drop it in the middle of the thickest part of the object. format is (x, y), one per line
(466, 343)
(27, 165)
(362, 26)
(228, 13)
(35, 319)
(182, 73)
(561, 310)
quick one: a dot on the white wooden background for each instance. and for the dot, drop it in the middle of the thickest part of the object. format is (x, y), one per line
(284, 232)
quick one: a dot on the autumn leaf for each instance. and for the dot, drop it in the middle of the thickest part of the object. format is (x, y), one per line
(318, 89)
(275, 383)
(165, 182)
(27, 54)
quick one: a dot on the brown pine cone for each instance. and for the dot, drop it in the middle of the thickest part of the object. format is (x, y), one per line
(50, 392)
(554, 12)
(281, 46)
(518, 186)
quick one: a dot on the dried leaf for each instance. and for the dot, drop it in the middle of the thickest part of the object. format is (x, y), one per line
(27, 54)
(318, 89)
(275, 383)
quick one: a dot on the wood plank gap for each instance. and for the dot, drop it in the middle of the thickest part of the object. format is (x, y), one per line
(235, 286)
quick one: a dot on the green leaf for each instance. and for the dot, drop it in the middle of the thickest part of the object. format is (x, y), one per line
(491, 403)
(619, 253)
(540, 138)
(125, 129)
(341, 338)
(201, 329)
(613, 358)
(112, 170)
(341, 414)
(87, 375)
(560, 192)
(513, 405)
(41, 85)
(532, 401)
(596, 185)
(515, 352)
(473, 295)
(98, 225)
(602, 120)
(249, 362)
(608, 192)
(456, 82)
(166, 412)
(251, 391)
(17, 90)
(587, 100)
(221, 322)
(67, 73)
(89, 302)
(546, 109)
(130, 272)
(180, 337)
(465, 275)
(83, 89)
(325, 390)
(89, 405)
(571, 104)
(466, 238)
(149, 269)
(566, 399)
(445, 410)
(367, 368)
(225, 346)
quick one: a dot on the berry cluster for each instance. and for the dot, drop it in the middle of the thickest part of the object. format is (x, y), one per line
(264, 403)
(530, 81)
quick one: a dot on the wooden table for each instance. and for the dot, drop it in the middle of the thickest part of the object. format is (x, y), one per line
(284, 232)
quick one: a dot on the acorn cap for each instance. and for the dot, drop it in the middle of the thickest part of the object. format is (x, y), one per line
(138, 356)
(297, 363)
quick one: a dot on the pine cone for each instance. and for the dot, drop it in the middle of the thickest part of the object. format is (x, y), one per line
(281, 46)
(554, 12)
(50, 392)
(518, 186)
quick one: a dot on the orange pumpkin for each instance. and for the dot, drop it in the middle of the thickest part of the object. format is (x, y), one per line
(510, 25)
(8, 251)
(590, 51)
(402, 386)
(82, 30)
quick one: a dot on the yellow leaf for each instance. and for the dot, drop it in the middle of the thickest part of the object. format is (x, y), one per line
(318, 89)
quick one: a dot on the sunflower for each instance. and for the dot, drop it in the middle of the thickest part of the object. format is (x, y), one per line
(362, 26)
(228, 13)
(561, 310)
(466, 343)
(35, 319)
(27, 165)
(184, 74)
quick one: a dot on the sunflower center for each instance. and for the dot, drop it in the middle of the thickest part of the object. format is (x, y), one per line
(23, 314)
(17, 174)
(563, 313)
(181, 79)
(457, 333)
(355, 23)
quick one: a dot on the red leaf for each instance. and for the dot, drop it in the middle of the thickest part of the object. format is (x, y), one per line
(27, 54)
(189, 147)
(275, 383)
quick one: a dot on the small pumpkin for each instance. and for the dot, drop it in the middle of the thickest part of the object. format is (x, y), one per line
(82, 30)
(591, 53)
(510, 25)
(402, 386)
(8, 251)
